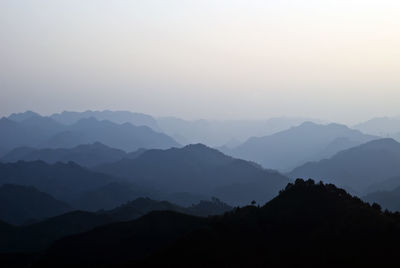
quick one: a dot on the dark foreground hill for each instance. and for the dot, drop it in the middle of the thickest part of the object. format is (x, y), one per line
(307, 225)
(356, 168)
(198, 169)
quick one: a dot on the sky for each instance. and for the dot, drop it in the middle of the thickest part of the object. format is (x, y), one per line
(337, 60)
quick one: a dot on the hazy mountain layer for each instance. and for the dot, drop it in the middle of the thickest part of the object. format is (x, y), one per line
(21, 204)
(217, 133)
(356, 168)
(88, 155)
(32, 130)
(118, 117)
(199, 169)
(63, 181)
(295, 146)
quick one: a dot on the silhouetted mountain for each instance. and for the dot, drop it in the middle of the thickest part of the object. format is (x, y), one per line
(209, 208)
(200, 170)
(126, 137)
(118, 117)
(63, 181)
(141, 206)
(387, 199)
(38, 236)
(132, 240)
(295, 146)
(217, 133)
(20, 204)
(358, 167)
(307, 225)
(184, 198)
(110, 196)
(85, 155)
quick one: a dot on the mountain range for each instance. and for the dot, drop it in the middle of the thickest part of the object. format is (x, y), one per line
(38, 236)
(33, 130)
(198, 169)
(118, 117)
(290, 148)
(218, 133)
(357, 168)
(382, 126)
(88, 155)
(23, 204)
(317, 225)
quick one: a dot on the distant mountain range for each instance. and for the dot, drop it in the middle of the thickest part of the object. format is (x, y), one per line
(218, 133)
(387, 199)
(32, 130)
(118, 117)
(382, 126)
(357, 168)
(191, 173)
(88, 155)
(65, 182)
(198, 169)
(295, 146)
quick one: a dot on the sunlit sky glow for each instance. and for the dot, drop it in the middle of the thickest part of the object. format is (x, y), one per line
(334, 59)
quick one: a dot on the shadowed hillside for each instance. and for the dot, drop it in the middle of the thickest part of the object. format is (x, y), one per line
(316, 225)
(199, 169)
(20, 204)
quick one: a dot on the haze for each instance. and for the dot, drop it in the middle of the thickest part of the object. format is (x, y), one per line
(336, 60)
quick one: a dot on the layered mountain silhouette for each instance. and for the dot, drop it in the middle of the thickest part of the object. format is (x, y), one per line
(199, 169)
(307, 225)
(125, 136)
(29, 132)
(33, 130)
(111, 195)
(382, 126)
(88, 155)
(118, 117)
(38, 236)
(384, 185)
(65, 182)
(356, 168)
(295, 146)
(217, 133)
(21, 204)
(387, 199)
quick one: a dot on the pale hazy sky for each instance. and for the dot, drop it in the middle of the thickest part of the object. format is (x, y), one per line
(332, 59)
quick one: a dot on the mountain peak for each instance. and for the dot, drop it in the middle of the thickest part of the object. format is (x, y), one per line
(19, 117)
